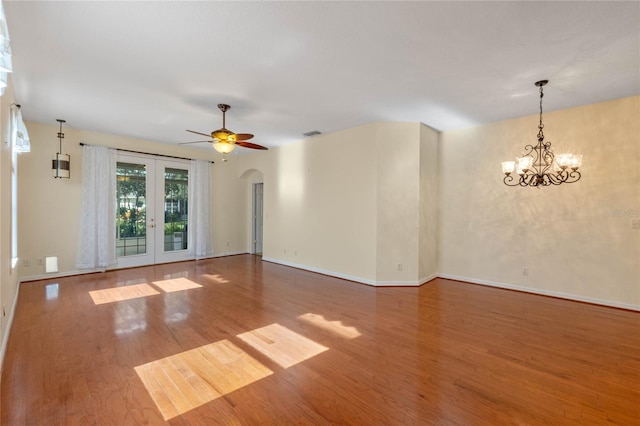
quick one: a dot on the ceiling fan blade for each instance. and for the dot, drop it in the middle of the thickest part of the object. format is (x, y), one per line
(250, 145)
(243, 136)
(187, 143)
(199, 133)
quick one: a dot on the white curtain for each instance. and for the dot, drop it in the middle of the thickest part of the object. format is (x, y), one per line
(97, 237)
(19, 136)
(5, 51)
(199, 202)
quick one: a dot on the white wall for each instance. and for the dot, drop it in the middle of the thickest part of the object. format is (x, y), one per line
(566, 236)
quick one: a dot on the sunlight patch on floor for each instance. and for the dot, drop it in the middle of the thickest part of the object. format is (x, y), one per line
(127, 292)
(176, 284)
(118, 294)
(182, 382)
(335, 327)
(216, 278)
(281, 345)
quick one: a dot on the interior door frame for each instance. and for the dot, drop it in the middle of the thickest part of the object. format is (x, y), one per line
(257, 216)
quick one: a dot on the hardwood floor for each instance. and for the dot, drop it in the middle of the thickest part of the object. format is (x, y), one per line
(238, 341)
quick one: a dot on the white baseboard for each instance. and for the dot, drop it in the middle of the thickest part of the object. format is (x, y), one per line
(428, 278)
(396, 283)
(320, 271)
(405, 283)
(568, 296)
(352, 277)
(95, 270)
(60, 274)
(7, 331)
(223, 254)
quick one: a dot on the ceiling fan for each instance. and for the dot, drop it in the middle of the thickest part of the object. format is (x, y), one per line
(224, 140)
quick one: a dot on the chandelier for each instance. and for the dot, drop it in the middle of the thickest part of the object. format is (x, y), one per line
(538, 165)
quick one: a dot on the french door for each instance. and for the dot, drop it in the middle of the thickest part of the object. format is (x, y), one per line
(152, 218)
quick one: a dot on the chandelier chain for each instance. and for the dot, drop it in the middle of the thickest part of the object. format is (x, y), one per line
(540, 125)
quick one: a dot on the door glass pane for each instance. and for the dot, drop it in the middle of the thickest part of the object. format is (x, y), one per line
(131, 222)
(176, 202)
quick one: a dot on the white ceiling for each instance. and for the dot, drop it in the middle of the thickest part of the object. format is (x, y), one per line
(150, 70)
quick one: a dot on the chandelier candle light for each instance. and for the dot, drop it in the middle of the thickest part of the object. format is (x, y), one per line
(539, 166)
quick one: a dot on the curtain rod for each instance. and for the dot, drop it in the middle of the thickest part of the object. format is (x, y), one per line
(146, 153)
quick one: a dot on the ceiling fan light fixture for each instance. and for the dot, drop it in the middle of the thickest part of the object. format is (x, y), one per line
(224, 140)
(223, 147)
(221, 134)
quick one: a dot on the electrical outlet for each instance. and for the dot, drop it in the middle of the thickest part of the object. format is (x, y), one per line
(26, 263)
(399, 266)
(39, 261)
(525, 271)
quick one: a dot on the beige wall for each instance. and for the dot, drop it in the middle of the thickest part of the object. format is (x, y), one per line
(8, 276)
(229, 210)
(398, 196)
(346, 204)
(49, 208)
(428, 245)
(569, 237)
(320, 202)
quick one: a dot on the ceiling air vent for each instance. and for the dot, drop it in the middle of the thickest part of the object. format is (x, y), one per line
(311, 133)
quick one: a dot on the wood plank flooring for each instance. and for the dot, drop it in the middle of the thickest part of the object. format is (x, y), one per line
(239, 341)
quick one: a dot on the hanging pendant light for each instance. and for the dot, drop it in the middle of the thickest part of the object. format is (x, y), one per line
(539, 166)
(61, 162)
